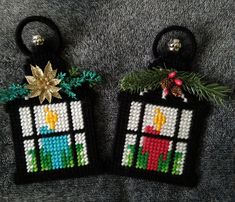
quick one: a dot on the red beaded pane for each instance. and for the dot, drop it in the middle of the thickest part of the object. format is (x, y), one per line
(157, 152)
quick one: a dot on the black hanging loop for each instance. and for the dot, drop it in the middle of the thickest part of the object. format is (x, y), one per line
(41, 54)
(44, 20)
(179, 58)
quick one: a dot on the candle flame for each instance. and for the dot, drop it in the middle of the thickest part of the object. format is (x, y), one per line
(159, 120)
(51, 118)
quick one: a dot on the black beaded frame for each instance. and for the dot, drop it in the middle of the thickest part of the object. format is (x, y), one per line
(86, 96)
(200, 110)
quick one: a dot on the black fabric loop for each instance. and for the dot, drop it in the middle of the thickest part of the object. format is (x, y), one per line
(44, 20)
(170, 29)
(179, 59)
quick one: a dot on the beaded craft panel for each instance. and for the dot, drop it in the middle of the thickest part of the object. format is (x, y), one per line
(154, 140)
(53, 138)
(154, 152)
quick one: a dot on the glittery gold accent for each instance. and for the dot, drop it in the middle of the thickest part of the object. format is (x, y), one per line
(43, 84)
(38, 40)
(174, 45)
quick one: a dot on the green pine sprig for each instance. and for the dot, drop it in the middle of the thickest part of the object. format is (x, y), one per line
(90, 77)
(69, 83)
(74, 71)
(192, 82)
(196, 85)
(143, 80)
(65, 85)
(14, 91)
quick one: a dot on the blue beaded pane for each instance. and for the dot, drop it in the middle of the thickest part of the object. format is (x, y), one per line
(56, 153)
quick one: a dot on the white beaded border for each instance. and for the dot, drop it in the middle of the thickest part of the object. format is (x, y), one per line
(77, 116)
(134, 116)
(26, 121)
(185, 124)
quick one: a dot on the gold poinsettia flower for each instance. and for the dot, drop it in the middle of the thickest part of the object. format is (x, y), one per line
(43, 84)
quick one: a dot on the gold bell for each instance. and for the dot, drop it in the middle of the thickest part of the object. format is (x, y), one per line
(174, 45)
(38, 40)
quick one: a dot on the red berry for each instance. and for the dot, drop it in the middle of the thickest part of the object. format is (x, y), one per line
(171, 75)
(166, 91)
(178, 82)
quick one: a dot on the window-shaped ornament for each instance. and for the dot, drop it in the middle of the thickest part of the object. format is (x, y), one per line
(51, 115)
(53, 140)
(157, 138)
(161, 119)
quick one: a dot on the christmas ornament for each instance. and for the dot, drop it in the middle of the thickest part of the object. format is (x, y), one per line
(51, 113)
(173, 84)
(162, 112)
(43, 84)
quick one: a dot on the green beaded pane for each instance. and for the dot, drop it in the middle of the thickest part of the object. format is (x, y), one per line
(66, 159)
(142, 159)
(33, 162)
(80, 155)
(163, 165)
(177, 163)
(46, 162)
(130, 156)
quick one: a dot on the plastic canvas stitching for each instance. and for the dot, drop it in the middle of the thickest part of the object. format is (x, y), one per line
(155, 151)
(55, 152)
